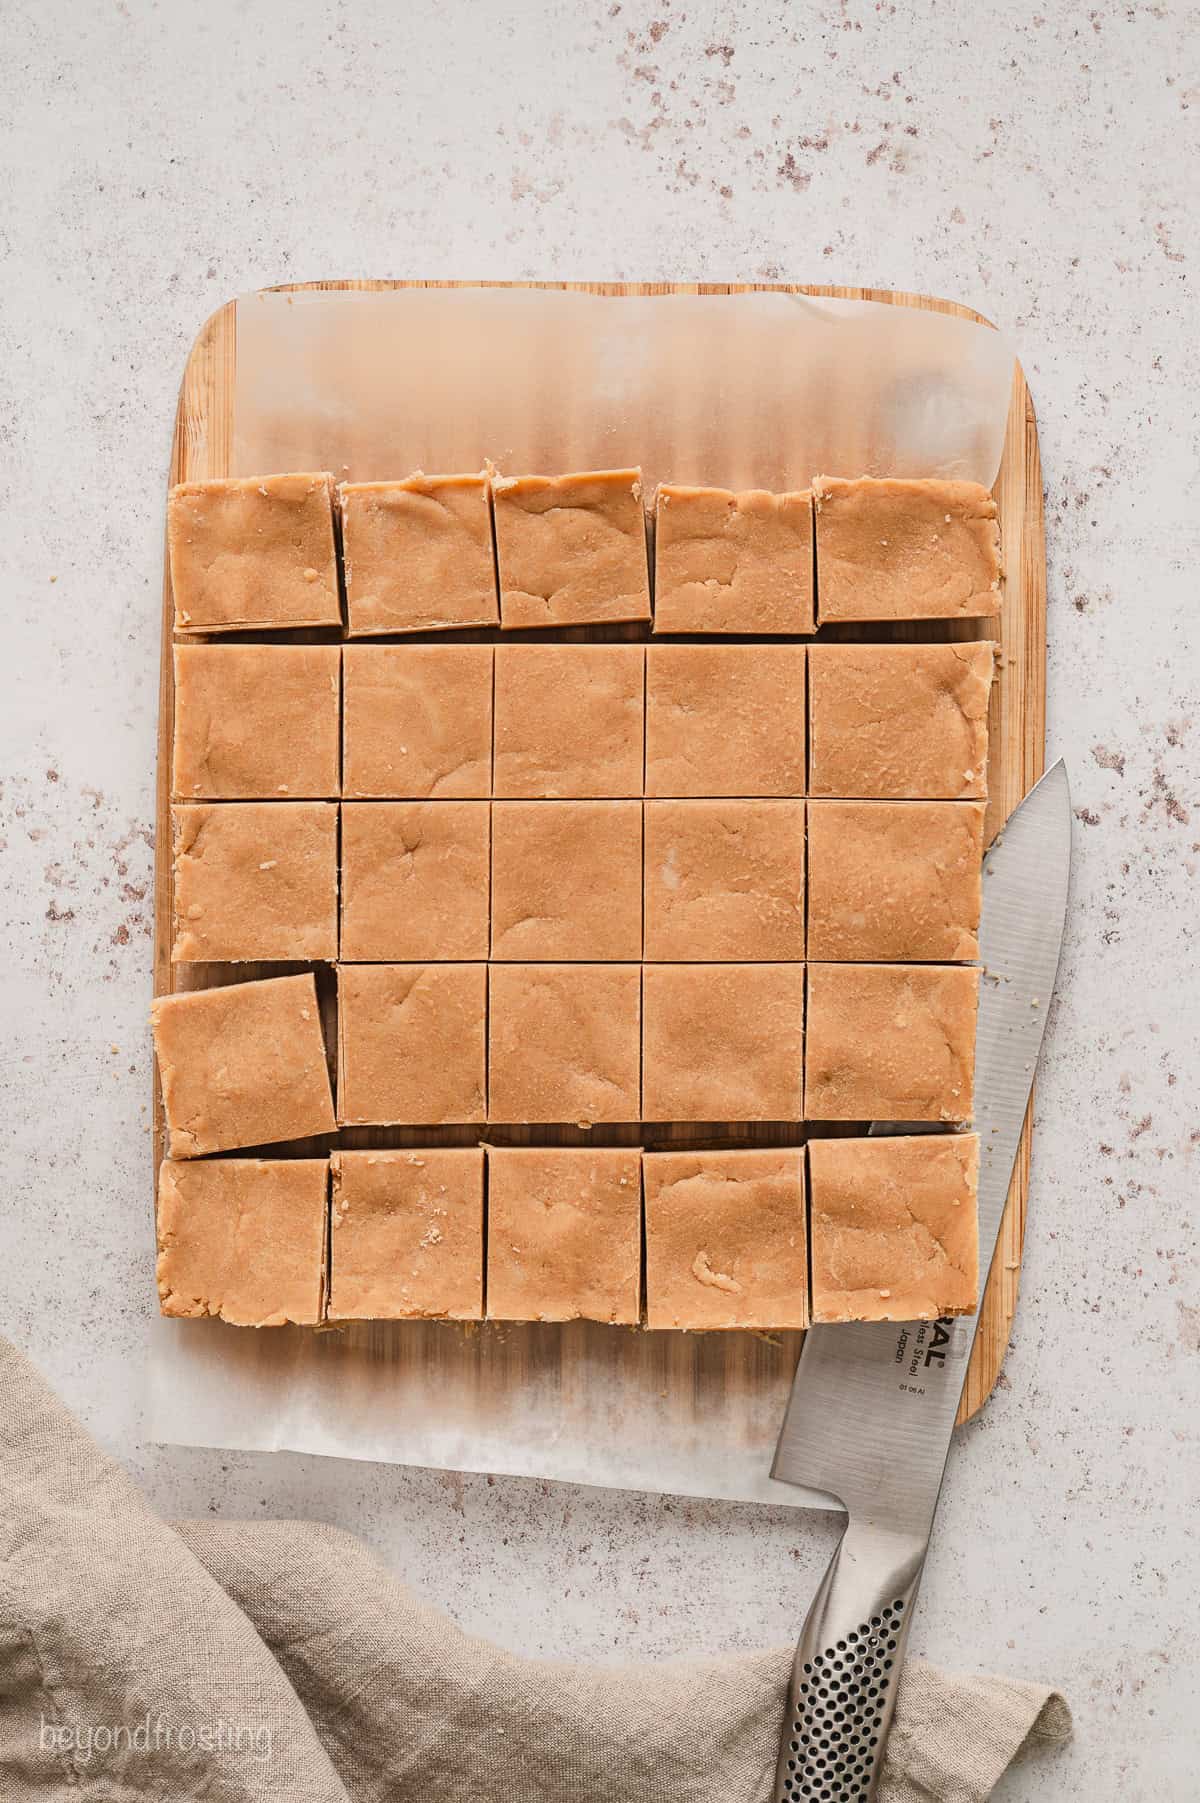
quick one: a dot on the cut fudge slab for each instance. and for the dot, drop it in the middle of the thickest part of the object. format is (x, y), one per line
(417, 722)
(905, 550)
(567, 880)
(564, 1234)
(252, 553)
(723, 1042)
(407, 1235)
(727, 562)
(890, 1042)
(418, 554)
(243, 1065)
(414, 880)
(894, 879)
(255, 880)
(571, 550)
(564, 1042)
(724, 879)
(256, 722)
(725, 1239)
(411, 1044)
(725, 719)
(899, 721)
(243, 1239)
(895, 1231)
(570, 721)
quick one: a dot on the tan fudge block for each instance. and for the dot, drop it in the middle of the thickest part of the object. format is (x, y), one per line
(571, 549)
(725, 1239)
(723, 1042)
(890, 1042)
(567, 880)
(900, 722)
(407, 1235)
(894, 879)
(411, 1044)
(570, 721)
(242, 1065)
(564, 1042)
(418, 554)
(256, 722)
(252, 553)
(725, 720)
(417, 722)
(726, 562)
(564, 1234)
(895, 1229)
(905, 550)
(255, 880)
(414, 880)
(724, 880)
(243, 1239)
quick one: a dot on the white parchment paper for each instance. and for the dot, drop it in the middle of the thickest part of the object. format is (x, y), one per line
(754, 390)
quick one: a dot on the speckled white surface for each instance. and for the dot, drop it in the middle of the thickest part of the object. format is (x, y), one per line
(1038, 164)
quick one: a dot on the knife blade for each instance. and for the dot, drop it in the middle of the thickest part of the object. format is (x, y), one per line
(873, 1404)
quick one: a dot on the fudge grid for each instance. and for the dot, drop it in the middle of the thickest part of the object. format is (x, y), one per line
(762, 1239)
(689, 882)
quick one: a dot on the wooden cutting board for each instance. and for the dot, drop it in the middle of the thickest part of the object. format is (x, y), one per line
(202, 447)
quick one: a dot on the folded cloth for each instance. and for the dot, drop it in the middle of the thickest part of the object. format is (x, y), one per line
(251, 1661)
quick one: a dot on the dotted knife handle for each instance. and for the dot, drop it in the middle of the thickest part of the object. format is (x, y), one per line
(847, 1671)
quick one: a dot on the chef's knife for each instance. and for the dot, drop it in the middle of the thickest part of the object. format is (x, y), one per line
(873, 1403)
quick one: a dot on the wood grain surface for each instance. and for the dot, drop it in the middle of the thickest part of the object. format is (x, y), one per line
(202, 448)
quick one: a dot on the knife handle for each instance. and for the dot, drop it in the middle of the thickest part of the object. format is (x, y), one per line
(847, 1669)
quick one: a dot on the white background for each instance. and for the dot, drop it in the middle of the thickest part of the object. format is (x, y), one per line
(1037, 164)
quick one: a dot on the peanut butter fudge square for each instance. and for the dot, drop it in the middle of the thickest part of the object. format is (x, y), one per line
(905, 550)
(256, 722)
(418, 554)
(414, 880)
(571, 550)
(890, 1042)
(725, 720)
(411, 1044)
(894, 1225)
(564, 1234)
(570, 721)
(567, 880)
(407, 1235)
(894, 879)
(564, 1042)
(724, 879)
(243, 1239)
(725, 1239)
(723, 1042)
(417, 722)
(899, 722)
(243, 1065)
(255, 880)
(726, 562)
(252, 553)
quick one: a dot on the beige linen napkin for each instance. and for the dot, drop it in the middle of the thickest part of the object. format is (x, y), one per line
(246, 1662)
